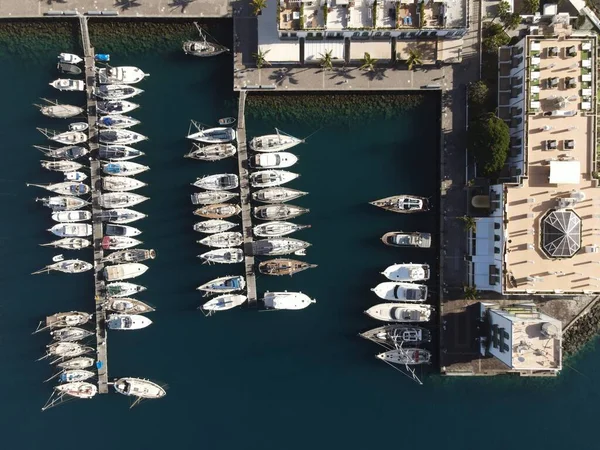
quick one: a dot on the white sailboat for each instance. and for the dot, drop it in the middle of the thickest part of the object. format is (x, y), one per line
(81, 362)
(400, 312)
(67, 266)
(72, 376)
(71, 216)
(70, 334)
(273, 142)
(120, 136)
(224, 302)
(224, 285)
(65, 188)
(79, 389)
(407, 272)
(214, 226)
(212, 197)
(121, 230)
(138, 387)
(223, 256)
(218, 182)
(218, 135)
(121, 272)
(127, 322)
(121, 215)
(67, 152)
(398, 291)
(127, 306)
(214, 152)
(59, 111)
(116, 91)
(277, 194)
(121, 184)
(406, 356)
(123, 168)
(118, 152)
(61, 166)
(287, 300)
(66, 137)
(277, 229)
(116, 106)
(278, 211)
(119, 242)
(62, 203)
(69, 243)
(117, 121)
(225, 239)
(123, 289)
(117, 200)
(71, 230)
(268, 178)
(279, 246)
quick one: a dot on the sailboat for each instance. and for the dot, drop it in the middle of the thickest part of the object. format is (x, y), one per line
(116, 106)
(61, 166)
(218, 211)
(67, 266)
(72, 376)
(121, 75)
(119, 136)
(117, 121)
(121, 215)
(121, 184)
(277, 194)
(283, 266)
(66, 350)
(225, 239)
(223, 256)
(202, 47)
(277, 229)
(287, 300)
(268, 178)
(66, 137)
(64, 188)
(116, 91)
(406, 356)
(60, 111)
(129, 256)
(273, 142)
(121, 230)
(118, 152)
(127, 306)
(214, 152)
(393, 335)
(279, 246)
(403, 204)
(224, 302)
(71, 230)
(71, 216)
(68, 152)
(122, 289)
(217, 135)
(119, 200)
(224, 285)
(68, 319)
(212, 197)
(81, 362)
(62, 203)
(138, 387)
(79, 389)
(70, 334)
(69, 243)
(278, 211)
(214, 226)
(218, 182)
(119, 242)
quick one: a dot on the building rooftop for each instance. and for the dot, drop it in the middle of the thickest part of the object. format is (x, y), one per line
(552, 234)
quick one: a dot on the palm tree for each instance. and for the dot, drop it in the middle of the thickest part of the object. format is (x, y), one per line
(326, 60)
(471, 292)
(258, 6)
(368, 63)
(259, 56)
(414, 58)
(470, 223)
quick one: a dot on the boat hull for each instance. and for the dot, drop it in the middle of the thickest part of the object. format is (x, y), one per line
(218, 211)
(283, 266)
(404, 204)
(214, 226)
(223, 256)
(277, 194)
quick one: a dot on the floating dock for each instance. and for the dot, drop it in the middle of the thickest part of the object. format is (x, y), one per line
(97, 228)
(245, 202)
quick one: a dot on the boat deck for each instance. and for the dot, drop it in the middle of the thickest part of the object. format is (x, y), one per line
(97, 229)
(245, 202)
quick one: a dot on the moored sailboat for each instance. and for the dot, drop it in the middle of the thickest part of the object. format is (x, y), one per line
(212, 197)
(61, 166)
(225, 239)
(116, 91)
(121, 215)
(65, 188)
(71, 229)
(60, 111)
(121, 184)
(118, 152)
(62, 203)
(218, 135)
(81, 362)
(406, 356)
(279, 246)
(67, 266)
(69, 243)
(131, 255)
(79, 389)
(218, 211)
(224, 302)
(66, 153)
(218, 182)
(277, 229)
(403, 204)
(119, 242)
(119, 200)
(268, 178)
(70, 334)
(223, 256)
(224, 285)
(123, 168)
(120, 136)
(277, 194)
(214, 152)
(122, 289)
(214, 226)
(278, 211)
(127, 306)
(138, 387)
(398, 334)
(283, 266)
(273, 142)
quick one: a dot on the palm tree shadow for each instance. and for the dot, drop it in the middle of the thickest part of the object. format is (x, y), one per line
(283, 74)
(183, 4)
(342, 72)
(50, 2)
(124, 5)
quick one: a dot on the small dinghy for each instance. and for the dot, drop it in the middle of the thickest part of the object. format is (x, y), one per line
(102, 57)
(127, 271)
(226, 121)
(224, 302)
(127, 306)
(119, 242)
(118, 152)
(65, 188)
(406, 356)
(212, 197)
(71, 216)
(126, 322)
(213, 152)
(138, 387)
(67, 153)
(225, 239)
(81, 362)
(287, 300)
(407, 272)
(124, 168)
(223, 256)
(67, 266)
(68, 319)
(400, 312)
(116, 106)
(71, 230)
(277, 160)
(66, 137)
(273, 142)
(67, 68)
(123, 289)
(214, 226)
(219, 135)
(129, 256)
(224, 285)
(73, 376)
(392, 336)
(61, 166)
(402, 239)
(121, 75)
(116, 92)
(121, 230)
(75, 176)
(70, 334)
(121, 215)
(69, 58)
(281, 211)
(118, 200)
(69, 243)
(117, 121)
(267, 178)
(58, 111)
(283, 266)
(68, 84)
(79, 389)
(218, 211)
(78, 126)
(67, 349)
(121, 184)
(279, 246)
(62, 203)
(403, 204)
(407, 292)
(118, 136)
(277, 194)
(218, 182)
(277, 228)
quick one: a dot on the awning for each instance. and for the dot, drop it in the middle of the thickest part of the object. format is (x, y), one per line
(565, 172)
(314, 49)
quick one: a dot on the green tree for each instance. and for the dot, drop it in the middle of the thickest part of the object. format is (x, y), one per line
(478, 94)
(530, 6)
(368, 63)
(512, 21)
(414, 58)
(470, 223)
(502, 11)
(494, 39)
(489, 140)
(258, 6)
(471, 292)
(326, 60)
(260, 58)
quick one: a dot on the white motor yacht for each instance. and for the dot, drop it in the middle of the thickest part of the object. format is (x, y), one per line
(127, 321)
(287, 300)
(396, 291)
(400, 312)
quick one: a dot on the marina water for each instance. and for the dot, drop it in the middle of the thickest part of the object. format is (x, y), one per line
(246, 379)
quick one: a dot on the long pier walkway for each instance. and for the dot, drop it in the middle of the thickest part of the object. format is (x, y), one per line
(245, 202)
(97, 229)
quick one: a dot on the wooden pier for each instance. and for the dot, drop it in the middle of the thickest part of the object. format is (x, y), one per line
(97, 228)
(245, 202)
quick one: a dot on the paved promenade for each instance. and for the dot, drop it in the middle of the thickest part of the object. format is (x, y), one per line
(127, 8)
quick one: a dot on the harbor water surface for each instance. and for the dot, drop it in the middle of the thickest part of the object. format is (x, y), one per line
(247, 379)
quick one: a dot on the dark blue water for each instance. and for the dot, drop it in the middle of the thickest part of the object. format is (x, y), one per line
(245, 379)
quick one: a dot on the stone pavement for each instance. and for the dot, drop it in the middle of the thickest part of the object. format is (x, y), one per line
(128, 8)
